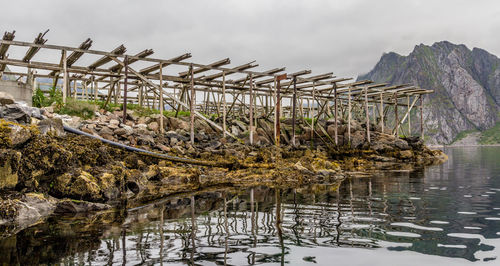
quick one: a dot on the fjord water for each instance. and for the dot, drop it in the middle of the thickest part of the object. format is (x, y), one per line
(448, 213)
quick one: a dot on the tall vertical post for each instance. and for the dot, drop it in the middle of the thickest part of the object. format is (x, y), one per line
(409, 114)
(312, 111)
(125, 91)
(381, 111)
(192, 104)
(336, 114)
(224, 106)
(294, 107)
(251, 109)
(96, 89)
(396, 113)
(162, 104)
(367, 116)
(74, 88)
(65, 77)
(278, 108)
(421, 117)
(349, 114)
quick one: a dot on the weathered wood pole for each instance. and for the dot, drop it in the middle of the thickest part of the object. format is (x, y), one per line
(74, 89)
(396, 113)
(65, 77)
(294, 107)
(381, 112)
(278, 108)
(96, 89)
(349, 114)
(367, 112)
(162, 104)
(251, 109)
(312, 111)
(140, 95)
(277, 130)
(421, 117)
(336, 114)
(224, 107)
(409, 114)
(125, 91)
(192, 103)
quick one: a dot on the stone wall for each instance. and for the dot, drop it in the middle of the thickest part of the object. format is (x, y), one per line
(19, 90)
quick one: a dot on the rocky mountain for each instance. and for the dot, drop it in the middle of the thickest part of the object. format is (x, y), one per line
(466, 86)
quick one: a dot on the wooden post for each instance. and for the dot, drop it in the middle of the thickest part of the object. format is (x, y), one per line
(251, 109)
(336, 114)
(96, 90)
(65, 77)
(74, 89)
(224, 108)
(381, 112)
(294, 107)
(139, 94)
(396, 113)
(421, 117)
(191, 106)
(125, 91)
(162, 104)
(278, 108)
(349, 114)
(409, 114)
(312, 111)
(85, 94)
(367, 116)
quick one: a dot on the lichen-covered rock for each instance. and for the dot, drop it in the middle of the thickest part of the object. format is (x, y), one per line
(9, 165)
(13, 134)
(85, 187)
(51, 126)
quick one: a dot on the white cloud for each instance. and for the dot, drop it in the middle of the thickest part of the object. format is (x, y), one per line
(344, 37)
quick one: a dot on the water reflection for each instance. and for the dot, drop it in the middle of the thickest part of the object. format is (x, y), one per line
(445, 214)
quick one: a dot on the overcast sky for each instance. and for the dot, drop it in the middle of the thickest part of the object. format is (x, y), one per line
(346, 37)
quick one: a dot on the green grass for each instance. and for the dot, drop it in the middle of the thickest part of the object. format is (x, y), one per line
(83, 109)
(463, 134)
(491, 136)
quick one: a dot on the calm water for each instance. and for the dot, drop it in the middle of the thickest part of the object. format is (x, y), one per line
(443, 214)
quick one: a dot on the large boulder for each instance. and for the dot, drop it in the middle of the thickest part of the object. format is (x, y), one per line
(15, 113)
(358, 139)
(177, 123)
(6, 98)
(12, 134)
(51, 126)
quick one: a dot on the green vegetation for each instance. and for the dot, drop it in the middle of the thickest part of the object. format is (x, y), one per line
(54, 98)
(83, 109)
(491, 136)
(309, 120)
(463, 134)
(86, 109)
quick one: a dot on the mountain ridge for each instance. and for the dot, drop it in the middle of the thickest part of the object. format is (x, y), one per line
(466, 86)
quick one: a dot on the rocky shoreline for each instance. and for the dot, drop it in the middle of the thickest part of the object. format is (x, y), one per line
(44, 170)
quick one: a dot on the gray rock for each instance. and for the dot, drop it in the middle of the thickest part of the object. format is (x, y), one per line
(401, 144)
(52, 126)
(153, 126)
(15, 113)
(106, 130)
(120, 131)
(6, 98)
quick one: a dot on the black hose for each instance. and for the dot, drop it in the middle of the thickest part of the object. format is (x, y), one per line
(150, 153)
